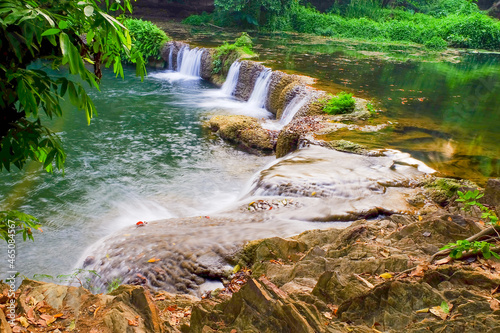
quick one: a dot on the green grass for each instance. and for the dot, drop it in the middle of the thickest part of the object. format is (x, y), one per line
(457, 30)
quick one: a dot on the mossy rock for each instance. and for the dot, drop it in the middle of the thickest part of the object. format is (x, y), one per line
(244, 131)
(441, 190)
(346, 146)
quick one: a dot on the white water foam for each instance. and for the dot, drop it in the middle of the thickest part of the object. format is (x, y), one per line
(232, 79)
(290, 111)
(261, 88)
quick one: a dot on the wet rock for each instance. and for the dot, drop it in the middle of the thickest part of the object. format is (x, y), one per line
(244, 131)
(288, 142)
(207, 65)
(249, 71)
(295, 133)
(280, 82)
(441, 190)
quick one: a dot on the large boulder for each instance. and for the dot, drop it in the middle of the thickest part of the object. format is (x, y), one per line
(244, 131)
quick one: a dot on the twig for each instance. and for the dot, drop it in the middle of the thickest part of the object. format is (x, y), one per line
(368, 283)
(485, 232)
(405, 271)
(215, 26)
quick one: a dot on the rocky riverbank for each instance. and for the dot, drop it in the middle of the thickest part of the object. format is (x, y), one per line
(373, 276)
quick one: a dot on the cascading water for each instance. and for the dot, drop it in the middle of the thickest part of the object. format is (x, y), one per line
(261, 88)
(232, 79)
(171, 58)
(292, 108)
(190, 61)
(179, 57)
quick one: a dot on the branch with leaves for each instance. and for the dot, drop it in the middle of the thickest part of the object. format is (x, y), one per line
(61, 33)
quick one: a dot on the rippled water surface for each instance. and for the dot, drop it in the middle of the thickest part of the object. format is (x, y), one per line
(144, 157)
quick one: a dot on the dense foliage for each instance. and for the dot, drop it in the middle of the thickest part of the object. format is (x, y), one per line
(147, 37)
(64, 34)
(436, 24)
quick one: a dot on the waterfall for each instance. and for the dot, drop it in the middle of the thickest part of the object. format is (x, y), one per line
(261, 88)
(292, 108)
(170, 58)
(189, 61)
(232, 79)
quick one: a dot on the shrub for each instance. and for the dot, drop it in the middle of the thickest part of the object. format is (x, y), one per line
(340, 104)
(436, 43)
(472, 31)
(242, 46)
(147, 37)
(202, 19)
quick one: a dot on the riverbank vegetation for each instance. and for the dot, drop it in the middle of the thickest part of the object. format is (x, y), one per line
(227, 53)
(436, 24)
(50, 31)
(147, 37)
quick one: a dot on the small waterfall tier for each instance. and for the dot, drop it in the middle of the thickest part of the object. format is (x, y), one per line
(171, 58)
(189, 61)
(261, 89)
(292, 108)
(232, 79)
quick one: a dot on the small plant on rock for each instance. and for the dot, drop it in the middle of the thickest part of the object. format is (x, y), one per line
(470, 200)
(340, 104)
(462, 247)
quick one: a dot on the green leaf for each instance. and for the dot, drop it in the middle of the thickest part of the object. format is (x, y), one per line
(445, 307)
(62, 25)
(90, 37)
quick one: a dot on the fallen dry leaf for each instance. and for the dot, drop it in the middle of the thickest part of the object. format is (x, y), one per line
(438, 312)
(17, 329)
(494, 304)
(386, 275)
(48, 318)
(426, 310)
(132, 322)
(23, 321)
(443, 261)
(419, 271)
